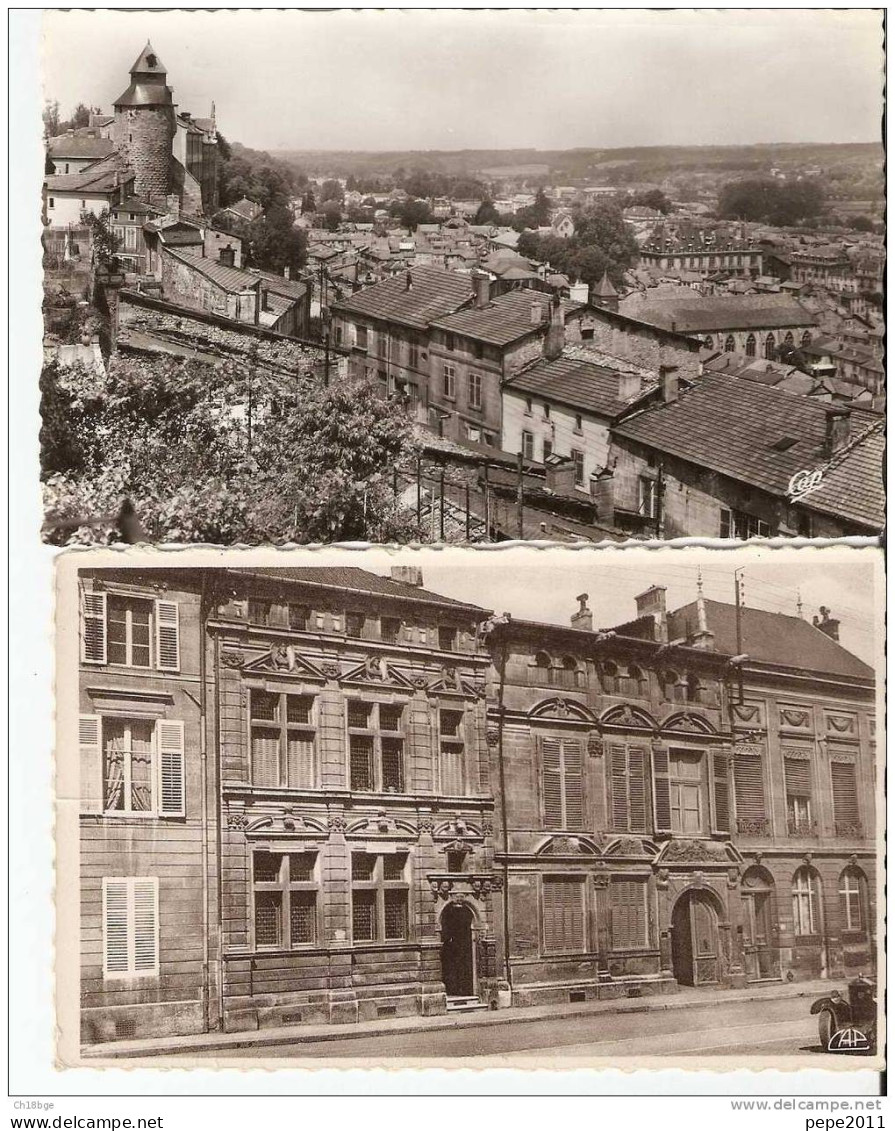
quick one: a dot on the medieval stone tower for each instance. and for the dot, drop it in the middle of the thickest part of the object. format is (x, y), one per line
(144, 125)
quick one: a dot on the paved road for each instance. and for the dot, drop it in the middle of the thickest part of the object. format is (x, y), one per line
(766, 1028)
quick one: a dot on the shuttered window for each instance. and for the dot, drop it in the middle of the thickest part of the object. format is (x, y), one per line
(563, 914)
(130, 927)
(283, 740)
(797, 775)
(167, 636)
(93, 628)
(845, 797)
(748, 781)
(562, 775)
(452, 753)
(720, 794)
(124, 630)
(661, 791)
(627, 908)
(143, 764)
(628, 769)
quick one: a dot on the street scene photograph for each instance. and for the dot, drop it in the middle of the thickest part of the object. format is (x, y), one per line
(526, 807)
(294, 295)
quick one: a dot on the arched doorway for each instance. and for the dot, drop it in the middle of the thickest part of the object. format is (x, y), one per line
(695, 943)
(760, 953)
(457, 950)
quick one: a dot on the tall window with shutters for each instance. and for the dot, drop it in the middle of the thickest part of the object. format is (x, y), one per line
(797, 777)
(283, 738)
(562, 778)
(628, 912)
(628, 786)
(130, 927)
(452, 753)
(749, 793)
(133, 632)
(563, 915)
(846, 812)
(142, 760)
(687, 791)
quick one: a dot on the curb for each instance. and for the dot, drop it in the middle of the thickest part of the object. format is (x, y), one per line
(498, 1017)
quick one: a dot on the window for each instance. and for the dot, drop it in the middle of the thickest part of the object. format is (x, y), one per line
(284, 888)
(749, 792)
(805, 915)
(528, 406)
(354, 624)
(475, 390)
(750, 346)
(449, 343)
(738, 524)
(129, 631)
(452, 753)
(546, 411)
(52, 202)
(789, 340)
(770, 347)
(852, 891)
(587, 334)
(562, 775)
(413, 355)
(259, 611)
(797, 775)
(130, 927)
(283, 740)
(563, 914)
(806, 338)
(846, 815)
(636, 683)
(528, 445)
(299, 617)
(449, 384)
(686, 791)
(627, 910)
(361, 337)
(672, 688)
(389, 629)
(379, 896)
(628, 767)
(646, 496)
(730, 344)
(548, 449)
(376, 747)
(710, 342)
(142, 763)
(578, 460)
(447, 639)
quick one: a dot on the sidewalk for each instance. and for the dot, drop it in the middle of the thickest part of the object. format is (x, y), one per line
(231, 1043)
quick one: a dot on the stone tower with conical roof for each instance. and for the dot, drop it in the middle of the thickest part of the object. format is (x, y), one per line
(144, 126)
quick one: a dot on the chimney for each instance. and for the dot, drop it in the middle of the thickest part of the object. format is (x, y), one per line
(227, 256)
(555, 339)
(408, 575)
(651, 603)
(408, 282)
(602, 492)
(287, 272)
(837, 431)
(582, 618)
(537, 312)
(481, 284)
(560, 475)
(668, 381)
(827, 624)
(629, 385)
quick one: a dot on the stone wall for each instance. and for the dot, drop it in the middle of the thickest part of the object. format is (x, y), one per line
(144, 137)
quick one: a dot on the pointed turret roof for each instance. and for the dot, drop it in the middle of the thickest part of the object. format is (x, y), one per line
(148, 62)
(605, 289)
(148, 86)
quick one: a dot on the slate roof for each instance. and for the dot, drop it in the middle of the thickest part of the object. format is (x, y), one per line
(505, 319)
(723, 312)
(354, 579)
(770, 638)
(231, 279)
(247, 209)
(731, 426)
(102, 177)
(573, 381)
(852, 486)
(77, 145)
(293, 289)
(433, 294)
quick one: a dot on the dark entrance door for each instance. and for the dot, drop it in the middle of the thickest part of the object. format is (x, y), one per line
(694, 940)
(457, 951)
(760, 954)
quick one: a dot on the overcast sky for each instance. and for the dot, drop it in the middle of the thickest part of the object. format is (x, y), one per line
(491, 79)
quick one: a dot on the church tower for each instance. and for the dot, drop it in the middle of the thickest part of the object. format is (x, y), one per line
(143, 130)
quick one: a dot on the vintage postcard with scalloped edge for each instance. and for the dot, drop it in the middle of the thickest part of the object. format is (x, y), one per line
(508, 807)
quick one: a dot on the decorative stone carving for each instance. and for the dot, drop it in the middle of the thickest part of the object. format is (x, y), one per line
(662, 878)
(628, 846)
(331, 671)
(799, 720)
(601, 880)
(236, 819)
(842, 724)
(687, 721)
(803, 753)
(282, 657)
(733, 877)
(692, 851)
(427, 825)
(487, 828)
(375, 669)
(745, 712)
(594, 745)
(337, 823)
(480, 691)
(232, 658)
(450, 677)
(420, 682)
(492, 737)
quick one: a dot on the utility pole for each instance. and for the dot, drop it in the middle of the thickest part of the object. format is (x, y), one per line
(468, 520)
(739, 586)
(520, 527)
(419, 490)
(442, 503)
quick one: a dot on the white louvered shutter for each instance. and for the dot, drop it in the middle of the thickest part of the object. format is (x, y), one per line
(115, 927)
(145, 926)
(93, 628)
(169, 744)
(551, 766)
(167, 636)
(573, 784)
(90, 739)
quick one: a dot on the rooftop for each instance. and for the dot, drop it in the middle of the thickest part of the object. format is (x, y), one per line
(78, 145)
(578, 382)
(852, 486)
(691, 313)
(505, 319)
(356, 580)
(103, 177)
(432, 294)
(231, 279)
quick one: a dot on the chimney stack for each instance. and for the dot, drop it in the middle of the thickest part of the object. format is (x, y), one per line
(629, 384)
(408, 575)
(481, 284)
(651, 603)
(556, 332)
(582, 618)
(827, 624)
(837, 431)
(669, 383)
(537, 312)
(227, 256)
(560, 475)
(408, 282)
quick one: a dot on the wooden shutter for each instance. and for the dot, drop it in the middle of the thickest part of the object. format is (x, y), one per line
(90, 749)
(618, 762)
(797, 772)
(720, 794)
(661, 791)
(300, 760)
(563, 903)
(627, 906)
(551, 776)
(167, 636)
(748, 783)
(169, 744)
(573, 784)
(845, 793)
(93, 628)
(115, 927)
(637, 803)
(145, 924)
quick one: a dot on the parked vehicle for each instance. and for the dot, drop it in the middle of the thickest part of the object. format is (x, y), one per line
(847, 1023)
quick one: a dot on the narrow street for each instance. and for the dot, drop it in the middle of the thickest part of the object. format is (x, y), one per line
(765, 1028)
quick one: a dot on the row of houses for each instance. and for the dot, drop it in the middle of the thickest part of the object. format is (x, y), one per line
(322, 795)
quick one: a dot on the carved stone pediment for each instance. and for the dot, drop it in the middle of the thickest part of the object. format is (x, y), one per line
(631, 846)
(625, 715)
(565, 710)
(569, 846)
(688, 722)
(683, 851)
(377, 670)
(281, 659)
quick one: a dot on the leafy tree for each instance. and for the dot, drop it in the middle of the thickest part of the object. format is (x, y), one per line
(332, 215)
(274, 242)
(414, 212)
(50, 117)
(80, 116)
(487, 213)
(104, 241)
(655, 199)
(766, 200)
(602, 243)
(331, 190)
(863, 224)
(308, 202)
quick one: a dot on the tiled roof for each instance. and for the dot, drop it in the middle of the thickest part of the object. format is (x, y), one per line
(505, 319)
(770, 638)
(353, 579)
(732, 426)
(852, 487)
(723, 312)
(102, 177)
(293, 289)
(227, 278)
(182, 237)
(248, 209)
(76, 145)
(433, 293)
(572, 381)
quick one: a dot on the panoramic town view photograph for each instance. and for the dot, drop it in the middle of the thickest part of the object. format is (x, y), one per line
(566, 275)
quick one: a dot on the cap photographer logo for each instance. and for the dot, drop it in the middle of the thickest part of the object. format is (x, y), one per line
(803, 483)
(849, 1040)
